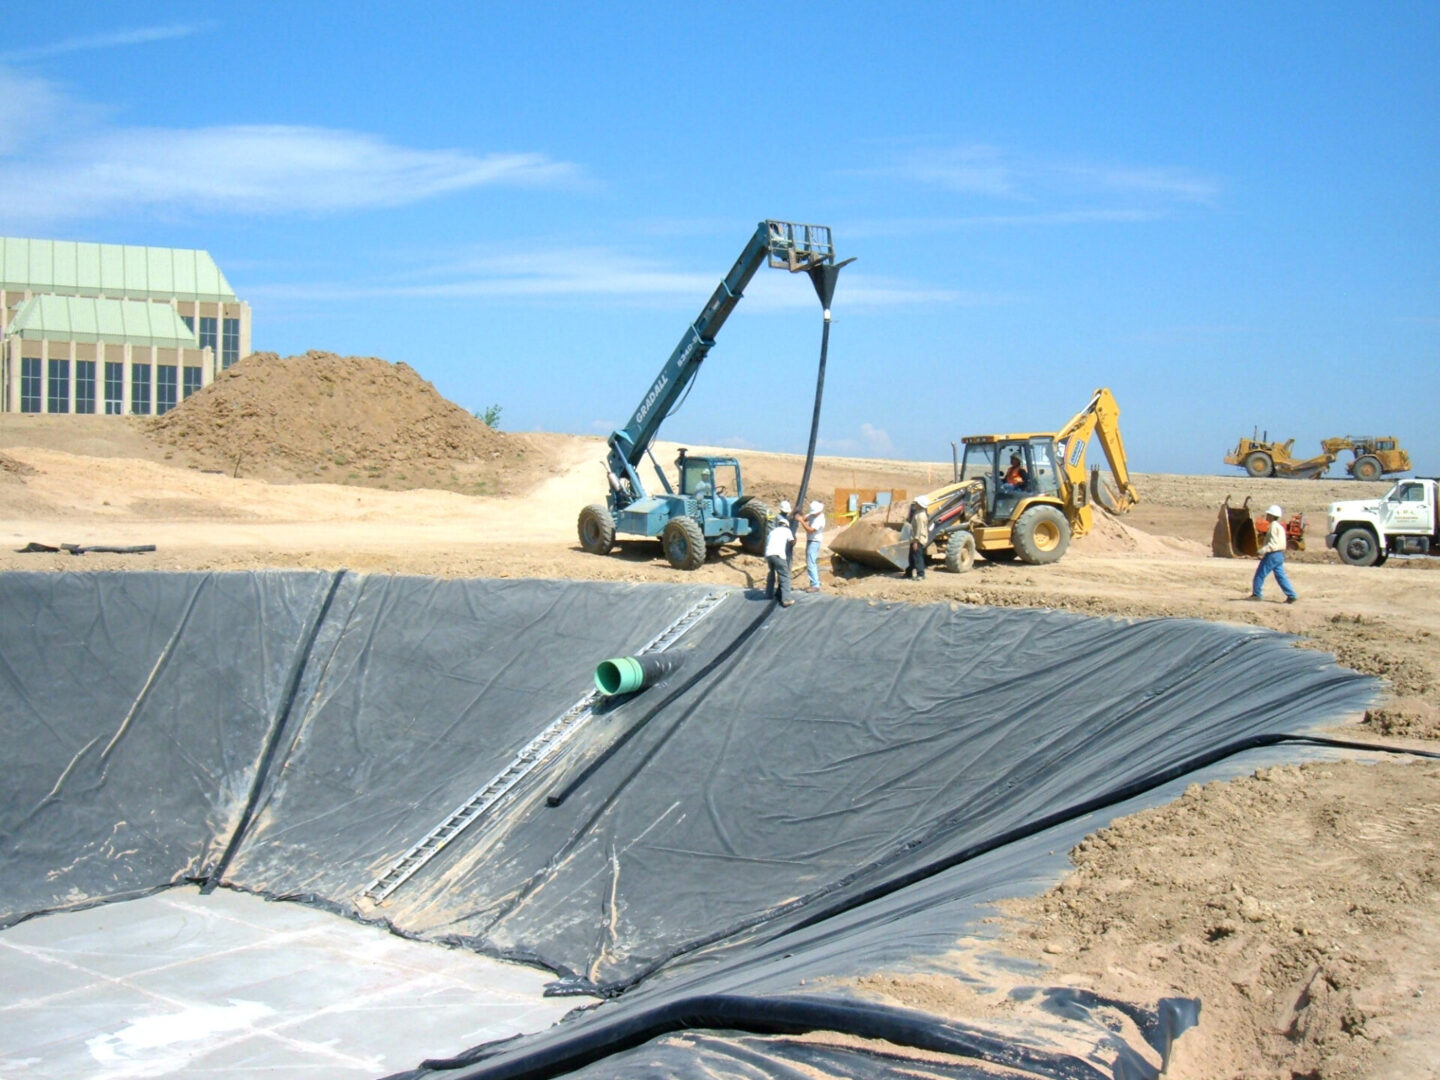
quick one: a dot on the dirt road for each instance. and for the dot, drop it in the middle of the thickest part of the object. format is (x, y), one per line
(1301, 905)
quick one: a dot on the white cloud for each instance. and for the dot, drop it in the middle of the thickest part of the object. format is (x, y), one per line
(975, 169)
(58, 160)
(116, 39)
(28, 107)
(535, 272)
(988, 171)
(868, 441)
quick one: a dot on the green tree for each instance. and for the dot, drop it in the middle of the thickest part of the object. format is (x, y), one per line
(490, 417)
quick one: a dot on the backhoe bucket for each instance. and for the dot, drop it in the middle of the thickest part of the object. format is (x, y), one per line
(878, 544)
(1235, 535)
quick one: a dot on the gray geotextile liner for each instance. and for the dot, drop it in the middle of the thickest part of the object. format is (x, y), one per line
(293, 734)
(133, 712)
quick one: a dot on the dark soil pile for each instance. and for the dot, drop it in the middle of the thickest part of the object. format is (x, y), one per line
(340, 418)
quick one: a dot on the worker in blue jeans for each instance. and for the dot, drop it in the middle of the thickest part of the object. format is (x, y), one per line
(814, 525)
(1272, 558)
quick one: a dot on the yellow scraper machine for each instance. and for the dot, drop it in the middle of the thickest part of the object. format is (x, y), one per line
(1020, 496)
(1373, 456)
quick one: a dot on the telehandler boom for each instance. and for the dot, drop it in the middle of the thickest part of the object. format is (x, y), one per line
(709, 506)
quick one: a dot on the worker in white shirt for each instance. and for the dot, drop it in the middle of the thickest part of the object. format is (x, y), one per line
(1272, 558)
(777, 557)
(814, 525)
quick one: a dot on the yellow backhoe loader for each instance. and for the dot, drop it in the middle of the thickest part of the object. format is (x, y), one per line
(1014, 496)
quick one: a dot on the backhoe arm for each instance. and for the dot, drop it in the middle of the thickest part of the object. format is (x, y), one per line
(1100, 418)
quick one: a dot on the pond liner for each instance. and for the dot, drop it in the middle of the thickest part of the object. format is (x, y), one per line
(292, 733)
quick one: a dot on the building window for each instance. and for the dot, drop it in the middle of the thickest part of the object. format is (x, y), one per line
(114, 388)
(140, 389)
(189, 321)
(84, 386)
(231, 351)
(165, 386)
(193, 379)
(209, 334)
(59, 386)
(30, 384)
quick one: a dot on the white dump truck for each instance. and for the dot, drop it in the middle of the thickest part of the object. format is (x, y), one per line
(1404, 523)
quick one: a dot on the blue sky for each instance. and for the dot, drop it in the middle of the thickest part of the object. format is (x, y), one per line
(1229, 213)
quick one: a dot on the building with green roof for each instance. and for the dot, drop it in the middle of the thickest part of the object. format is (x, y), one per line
(112, 328)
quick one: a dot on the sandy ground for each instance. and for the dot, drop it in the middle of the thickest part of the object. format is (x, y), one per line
(1302, 904)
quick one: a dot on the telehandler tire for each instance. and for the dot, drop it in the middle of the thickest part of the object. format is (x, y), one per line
(683, 544)
(1367, 468)
(758, 515)
(1040, 535)
(960, 552)
(1259, 464)
(597, 529)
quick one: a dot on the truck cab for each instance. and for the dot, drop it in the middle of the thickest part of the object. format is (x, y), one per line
(1405, 522)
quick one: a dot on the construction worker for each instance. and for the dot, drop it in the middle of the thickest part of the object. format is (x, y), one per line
(1272, 558)
(777, 557)
(1015, 477)
(814, 525)
(919, 537)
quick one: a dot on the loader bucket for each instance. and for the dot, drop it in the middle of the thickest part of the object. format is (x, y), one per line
(882, 545)
(1235, 535)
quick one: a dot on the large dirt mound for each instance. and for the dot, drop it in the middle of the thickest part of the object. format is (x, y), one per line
(316, 413)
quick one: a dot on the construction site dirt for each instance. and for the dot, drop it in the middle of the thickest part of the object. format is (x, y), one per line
(1301, 905)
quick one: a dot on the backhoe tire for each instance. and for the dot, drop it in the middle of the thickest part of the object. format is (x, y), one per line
(758, 515)
(683, 544)
(1259, 464)
(1040, 535)
(960, 552)
(1358, 546)
(597, 529)
(1366, 468)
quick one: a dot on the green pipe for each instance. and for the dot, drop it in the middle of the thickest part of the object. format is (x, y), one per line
(626, 674)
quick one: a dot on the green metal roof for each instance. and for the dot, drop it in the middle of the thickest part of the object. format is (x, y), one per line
(88, 318)
(76, 268)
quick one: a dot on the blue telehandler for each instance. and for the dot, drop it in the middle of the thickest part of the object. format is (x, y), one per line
(709, 507)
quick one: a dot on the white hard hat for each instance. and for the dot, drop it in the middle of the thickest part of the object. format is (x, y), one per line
(785, 506)
(1274, 512)
(917, 501)
(816, 507)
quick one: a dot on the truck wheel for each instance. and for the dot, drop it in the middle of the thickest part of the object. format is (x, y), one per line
(1040, 535)
(758, 515)
(683, 544)
(1259, 464)
(1358, 546)
(1366, 468)
(597, 529)
(960, 552)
